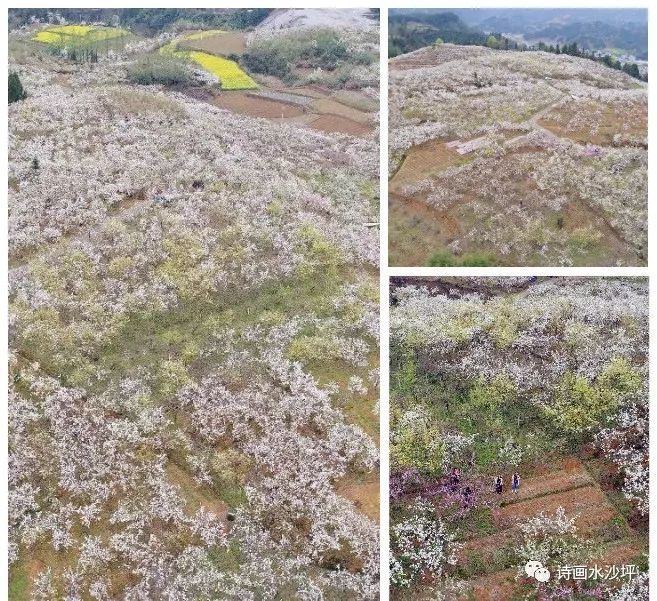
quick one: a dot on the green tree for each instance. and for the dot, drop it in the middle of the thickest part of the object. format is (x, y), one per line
(492, 42)
(581, 405)
(421, 447)
(493, 395)
(16, 91)
(632, 69)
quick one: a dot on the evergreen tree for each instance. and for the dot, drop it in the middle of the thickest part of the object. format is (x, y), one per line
(632, 69)
(16, 91)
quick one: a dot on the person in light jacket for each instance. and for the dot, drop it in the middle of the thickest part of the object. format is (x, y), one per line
(515, 482)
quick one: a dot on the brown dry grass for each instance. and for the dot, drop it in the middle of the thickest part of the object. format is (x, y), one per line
(364, 495)
(596, 123)
(423, 161)
(222, 44)
(343, 125)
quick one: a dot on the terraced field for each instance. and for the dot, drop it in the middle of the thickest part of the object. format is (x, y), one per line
(566, 485)
(577, 495)
(540, 159)
(317, 108)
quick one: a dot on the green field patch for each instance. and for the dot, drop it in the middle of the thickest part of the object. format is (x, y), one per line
(178, 335)
(19, 581)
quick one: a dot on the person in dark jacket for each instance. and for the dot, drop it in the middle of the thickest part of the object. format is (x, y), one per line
(515, 482)
(455, 479)
(499, 485)
(467, 497)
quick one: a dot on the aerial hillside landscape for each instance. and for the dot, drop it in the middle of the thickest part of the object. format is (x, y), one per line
(193, 267)
(519, 439)
(507, 157)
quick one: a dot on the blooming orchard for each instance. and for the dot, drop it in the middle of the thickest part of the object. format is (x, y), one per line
(556, 170)
(194, 345)
(545, 376)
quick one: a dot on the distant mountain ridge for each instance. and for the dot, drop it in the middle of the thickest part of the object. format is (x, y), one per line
(612, 31)
(409, 30)
(592, 29)
(597, 35)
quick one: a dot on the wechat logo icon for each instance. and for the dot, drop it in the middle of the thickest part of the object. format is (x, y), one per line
(535, 569)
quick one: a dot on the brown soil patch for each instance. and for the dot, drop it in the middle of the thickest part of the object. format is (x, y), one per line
(328, 106)
(572, 463)
(423, 161)
(569, 463)
(244, 104)
(364, 495)
(342, 125)
(416, 230)
(222, 44)
(487, 545)
(589, 501)
(561, 480)
(619, 553)
(310, 91)
(494, 587)
(596, 123)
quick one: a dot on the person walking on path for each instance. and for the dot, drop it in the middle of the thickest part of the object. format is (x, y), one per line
(499, 485)
(515, 482)
(455, 479)
(467, 497)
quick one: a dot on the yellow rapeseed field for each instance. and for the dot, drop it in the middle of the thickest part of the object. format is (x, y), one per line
(199, 35)
(231, 76)
(229, 72)
(77, 33)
